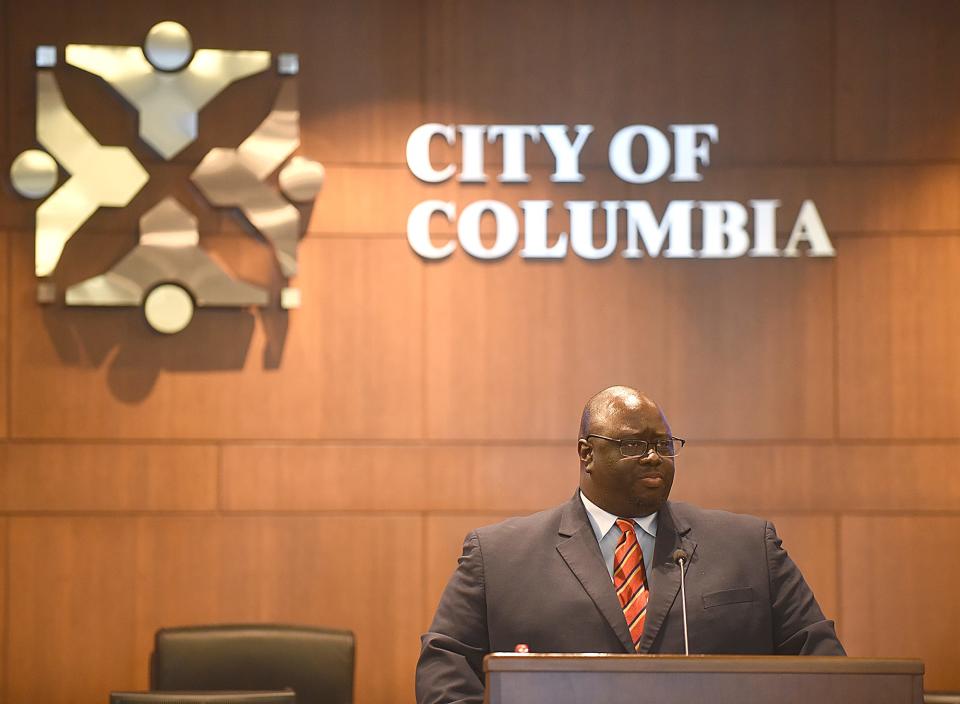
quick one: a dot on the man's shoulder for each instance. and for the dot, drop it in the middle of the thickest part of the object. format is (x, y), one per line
(707, 518)
(548, 519)
(505, 546)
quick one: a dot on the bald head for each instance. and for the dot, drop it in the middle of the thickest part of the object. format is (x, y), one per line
(610, 403)
(635, 484)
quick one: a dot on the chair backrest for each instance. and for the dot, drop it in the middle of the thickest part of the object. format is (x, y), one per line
(316, 663)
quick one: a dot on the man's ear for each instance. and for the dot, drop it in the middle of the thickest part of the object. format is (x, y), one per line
(585, 450)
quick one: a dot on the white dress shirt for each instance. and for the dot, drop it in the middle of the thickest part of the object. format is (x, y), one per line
(608, 533)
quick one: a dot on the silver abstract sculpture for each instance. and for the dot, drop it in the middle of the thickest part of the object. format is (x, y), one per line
(168, 273)
(235, 178)
(100, 176)
(166, 87)
(34, 174)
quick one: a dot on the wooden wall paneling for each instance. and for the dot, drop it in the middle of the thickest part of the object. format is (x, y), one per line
(294, 570)
(361, 89)
(848, 198)
(512, 479)
(4, 608)
(444, 544)
(898, 580)
(397, 478)
(87, 594)
(347, 363)
(892, 199)
(531, 341)
(374, 200)
(895, 79)
(4, 108)
(765, 479)
(108, 477)
(72, 609)
(762, 479)
(575, 68)
(10, 202)
(811, 541)
(898, 310)
(5, 341)
(5, 201)
(358, 340)
(324, 478)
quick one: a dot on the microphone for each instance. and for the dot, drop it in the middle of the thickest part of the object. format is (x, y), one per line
(680, 557)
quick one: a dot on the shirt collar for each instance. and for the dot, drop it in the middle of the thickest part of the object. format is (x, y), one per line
(602, 521)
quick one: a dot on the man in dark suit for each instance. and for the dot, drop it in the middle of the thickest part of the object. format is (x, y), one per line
(597, 573)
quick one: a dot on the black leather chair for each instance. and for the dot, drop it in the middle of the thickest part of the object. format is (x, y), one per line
(316, 663)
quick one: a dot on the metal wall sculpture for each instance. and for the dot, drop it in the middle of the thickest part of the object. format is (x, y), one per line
(168, 272)
(235, 177)
(168, 251)
(100, 176)
(161, 81)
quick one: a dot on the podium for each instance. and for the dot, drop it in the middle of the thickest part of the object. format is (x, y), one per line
(714, 679)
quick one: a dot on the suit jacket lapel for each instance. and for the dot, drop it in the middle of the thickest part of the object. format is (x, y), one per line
(579, 548)
(664, 577)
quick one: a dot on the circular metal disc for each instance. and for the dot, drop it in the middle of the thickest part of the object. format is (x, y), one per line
(168, 46)
(301, 179)
(168, 308)
(34, 174)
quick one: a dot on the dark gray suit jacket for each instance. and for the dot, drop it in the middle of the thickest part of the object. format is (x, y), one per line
(541, 580)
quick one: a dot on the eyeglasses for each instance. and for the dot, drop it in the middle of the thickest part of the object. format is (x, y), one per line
(668, 447)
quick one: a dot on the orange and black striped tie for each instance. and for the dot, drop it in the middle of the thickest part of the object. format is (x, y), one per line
(630, 580)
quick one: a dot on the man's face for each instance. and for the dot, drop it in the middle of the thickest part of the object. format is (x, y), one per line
(627, 486)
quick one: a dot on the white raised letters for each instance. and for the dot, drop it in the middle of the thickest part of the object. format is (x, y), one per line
(418, 229)
(729, 228)
(809, 228)
(535, 232)
(418, 152)
(675, 225)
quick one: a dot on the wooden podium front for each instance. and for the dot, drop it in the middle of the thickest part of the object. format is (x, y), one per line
(714, 679)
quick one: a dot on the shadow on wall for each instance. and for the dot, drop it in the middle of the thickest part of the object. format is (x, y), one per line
(217, 339)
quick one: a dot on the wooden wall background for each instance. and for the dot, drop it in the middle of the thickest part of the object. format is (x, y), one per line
(265, 467)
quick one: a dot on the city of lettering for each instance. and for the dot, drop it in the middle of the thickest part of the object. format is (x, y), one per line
(726, 227)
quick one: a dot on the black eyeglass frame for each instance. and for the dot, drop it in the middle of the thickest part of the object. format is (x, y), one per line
(646, 445)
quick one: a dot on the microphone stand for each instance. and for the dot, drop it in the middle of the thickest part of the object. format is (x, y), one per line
(683, 601)
(680, 559)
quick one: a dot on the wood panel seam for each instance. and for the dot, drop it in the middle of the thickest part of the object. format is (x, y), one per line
(424, 570)
(834, 69)
(7, 596)
(485, 442)
(7, 246)
(8, 132)
(219, 492)
(838, 576)
(835, 309)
